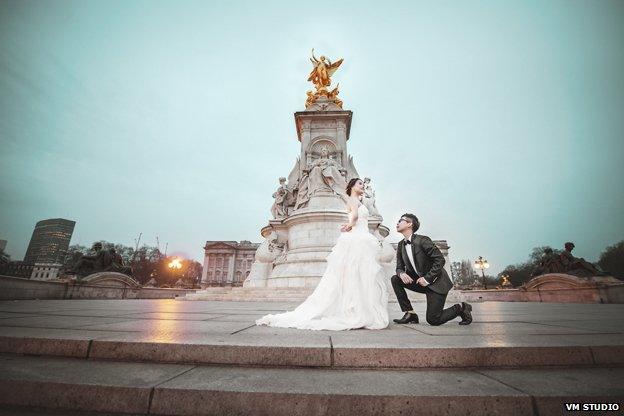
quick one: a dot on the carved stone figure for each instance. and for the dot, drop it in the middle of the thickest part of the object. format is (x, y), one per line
(577, 266)
(266, 255)
(320, 76)
(325, 173)
(279, 205)
(303, 194)
(322, 71)
(118, 263)
(292, 189)
(101, 261)
(88, 264)
(280, 250)
(333, 96)
(549, 263)
(310, 100)
(369, 198)
(565, 262)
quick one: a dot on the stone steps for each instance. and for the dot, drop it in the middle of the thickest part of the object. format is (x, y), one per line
(169, 357)
(323, 351)
(171, 389)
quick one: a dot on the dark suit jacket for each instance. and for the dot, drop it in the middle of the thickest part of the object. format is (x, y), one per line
(428, 260)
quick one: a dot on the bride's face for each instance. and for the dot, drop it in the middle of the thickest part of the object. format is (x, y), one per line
(358, 188)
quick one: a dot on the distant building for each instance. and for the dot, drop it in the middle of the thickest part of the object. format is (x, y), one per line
(49, 241)
(45, 271)
(3, 244)
(16, 269)
(227, 263)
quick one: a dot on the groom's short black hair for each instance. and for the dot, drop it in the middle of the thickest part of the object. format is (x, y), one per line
(414, 220)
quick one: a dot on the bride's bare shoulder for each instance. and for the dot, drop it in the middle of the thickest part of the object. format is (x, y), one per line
(352, 204)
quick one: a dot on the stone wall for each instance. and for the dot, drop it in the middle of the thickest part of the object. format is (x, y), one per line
(605, 294)
(12, 288)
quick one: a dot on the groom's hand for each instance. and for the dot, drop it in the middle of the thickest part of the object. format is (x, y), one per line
(406, 278)
(421, 281)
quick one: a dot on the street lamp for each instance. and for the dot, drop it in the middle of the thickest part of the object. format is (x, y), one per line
(482, 264)
(174, 265)
(505, 283)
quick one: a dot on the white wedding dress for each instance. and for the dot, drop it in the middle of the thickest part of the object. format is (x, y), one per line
(351, 294)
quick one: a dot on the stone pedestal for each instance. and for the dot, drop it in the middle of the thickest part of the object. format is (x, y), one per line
(297, 243)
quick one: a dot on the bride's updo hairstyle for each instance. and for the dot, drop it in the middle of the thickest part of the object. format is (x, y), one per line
(351, 184)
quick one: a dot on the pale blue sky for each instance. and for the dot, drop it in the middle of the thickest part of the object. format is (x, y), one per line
(500, 124)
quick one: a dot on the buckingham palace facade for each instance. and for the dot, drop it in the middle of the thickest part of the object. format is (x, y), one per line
(227, 263)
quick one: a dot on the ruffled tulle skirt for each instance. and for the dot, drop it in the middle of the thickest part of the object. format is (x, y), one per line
(351, 294)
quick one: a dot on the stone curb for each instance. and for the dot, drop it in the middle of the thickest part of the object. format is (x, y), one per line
(206, 390)
(212, 354)
(329, 356)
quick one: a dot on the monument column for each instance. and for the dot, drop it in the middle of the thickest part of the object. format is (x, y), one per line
(231, 265)
(204, 280)
(309, 210)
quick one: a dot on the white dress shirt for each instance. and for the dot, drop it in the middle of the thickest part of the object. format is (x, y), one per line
(410, 256)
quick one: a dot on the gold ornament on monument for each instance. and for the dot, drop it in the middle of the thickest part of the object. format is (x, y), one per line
(320, 76)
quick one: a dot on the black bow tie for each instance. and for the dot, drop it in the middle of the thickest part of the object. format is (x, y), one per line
(408, 242)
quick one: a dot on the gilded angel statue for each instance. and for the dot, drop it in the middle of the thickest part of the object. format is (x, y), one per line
(322, 71)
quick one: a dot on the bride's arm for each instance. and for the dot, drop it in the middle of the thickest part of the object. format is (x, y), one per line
(353, 214)
(352, 209)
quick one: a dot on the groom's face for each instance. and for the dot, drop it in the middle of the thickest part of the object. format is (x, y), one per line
(403, 224)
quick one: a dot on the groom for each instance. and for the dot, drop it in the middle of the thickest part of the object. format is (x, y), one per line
(420, 267)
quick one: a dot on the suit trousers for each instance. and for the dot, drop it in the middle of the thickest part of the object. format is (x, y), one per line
(436, 314)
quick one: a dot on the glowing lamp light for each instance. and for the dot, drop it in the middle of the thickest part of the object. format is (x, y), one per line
(175, 264)
(482, 264)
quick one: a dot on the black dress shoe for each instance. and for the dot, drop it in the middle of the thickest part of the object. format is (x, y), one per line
(407, 318)
(465, 313)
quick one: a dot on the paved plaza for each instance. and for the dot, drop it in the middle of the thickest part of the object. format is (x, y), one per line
(208, 357)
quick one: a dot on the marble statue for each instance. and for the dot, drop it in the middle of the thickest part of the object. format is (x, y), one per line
(279, 206)
(369, 198)
(323, 173)
(577, 266)
(333, 96)
(320, 76)
(565, 262)
(322, 71)
(101, 261)
(308, 207)
(265, 257)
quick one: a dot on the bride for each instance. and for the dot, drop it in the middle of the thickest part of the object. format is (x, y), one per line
(352, 293)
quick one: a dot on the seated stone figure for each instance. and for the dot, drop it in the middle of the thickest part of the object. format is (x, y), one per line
(549, 263)
(88, 264)
(565, 262)
(118, 263)
(101, 261)
(577, 266)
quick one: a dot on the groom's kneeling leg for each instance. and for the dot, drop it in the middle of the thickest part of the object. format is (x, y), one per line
(436, 315)
(401, 294)
(434, 319)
